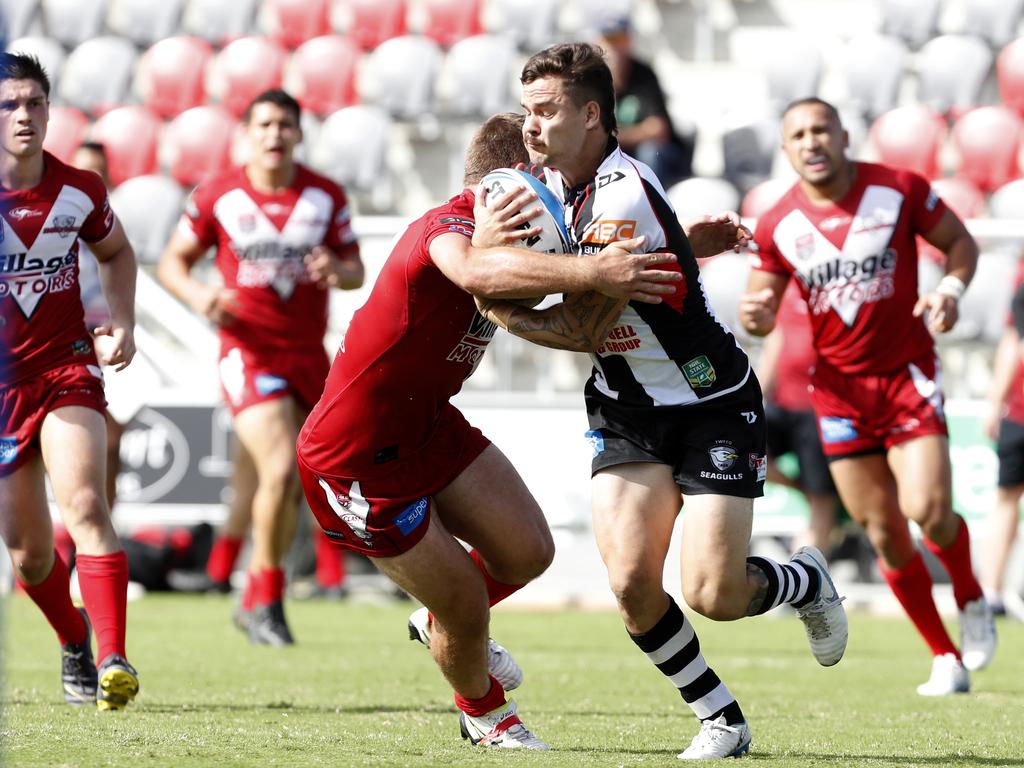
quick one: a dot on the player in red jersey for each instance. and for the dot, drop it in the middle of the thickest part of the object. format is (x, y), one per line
(283, 236)
(51, 387)
(846, 230)
(392, 470)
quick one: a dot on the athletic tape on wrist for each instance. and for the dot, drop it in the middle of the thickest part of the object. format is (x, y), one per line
(951, 285)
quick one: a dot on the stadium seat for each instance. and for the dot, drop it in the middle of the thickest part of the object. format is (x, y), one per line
(72, 22)
(149, 208)
(913, 21)
(700, 196)
(448, 21)
(65, 131)
(910, 137)
(352, 147)
(97, 75)
(219, 22)
(1007, 202)
(321, 74)
(20, 18)
(874, 71)
(1010, 73)
(170, 75)
(370, 22)
(964, 199)
(533, 24)
(50, 53)
(477, 76)
(243, 69)
(145, 21)
(292, 22)
(995, 21)
(987, 140)
(197, 144)
(764, 196)
(789, 59)
(951, 70)
(130, 135)
(748, 152)
(400, 75)
(725, 281)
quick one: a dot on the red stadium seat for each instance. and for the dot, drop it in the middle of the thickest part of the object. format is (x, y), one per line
(763, 196)
(244, 69)
(987, 141)
(197, 144)
(322, 74)
(145, 21)
(218, 21)
(910, 137)
(65, 131)
(448, 21)
(170, 76)
(97, 75)
(1010, 72)
(130, 135)
(291, 22)
(371, 22)
(964, 199)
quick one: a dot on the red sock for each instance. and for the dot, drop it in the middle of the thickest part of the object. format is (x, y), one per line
(249, 592)
(223, 555)
(268, 586)
(476, 707)
(956, 558)
(54, 600)
(330, 561)
(912, 586)
(496, 590)
(104, 583)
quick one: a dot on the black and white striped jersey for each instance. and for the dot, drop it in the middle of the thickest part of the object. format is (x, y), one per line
(669, 354)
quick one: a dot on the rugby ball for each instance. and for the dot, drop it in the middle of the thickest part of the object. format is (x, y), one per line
(551, 219)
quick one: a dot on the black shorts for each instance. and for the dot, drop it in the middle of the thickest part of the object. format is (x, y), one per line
(797, 432)
(1010, 450)
(713, 447)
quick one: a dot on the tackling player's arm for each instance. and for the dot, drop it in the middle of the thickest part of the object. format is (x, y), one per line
(117, 269)
(174, 270)
(581, 323)
(952, 238)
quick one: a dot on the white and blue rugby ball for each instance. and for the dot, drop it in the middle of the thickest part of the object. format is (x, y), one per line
(551, 219)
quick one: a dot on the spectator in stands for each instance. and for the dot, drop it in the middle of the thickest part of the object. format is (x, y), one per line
(784, 372)
(51, 389)
(1004, 423)
(645, 127)
(283, 236)
(846, 230)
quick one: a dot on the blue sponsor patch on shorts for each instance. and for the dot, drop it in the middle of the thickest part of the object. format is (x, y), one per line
(412, 516)
(8, 449)
(836, 430)
(596, 441)
(267, 384)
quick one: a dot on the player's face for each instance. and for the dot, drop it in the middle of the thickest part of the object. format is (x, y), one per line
(555, 127)
(815, 143)
(24, 112)
(273, 133)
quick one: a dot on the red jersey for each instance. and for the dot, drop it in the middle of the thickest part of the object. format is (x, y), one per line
(856, 264)
(405, 354)
(261, 242)
(42, 324)
(792, 373)
(1014, 406)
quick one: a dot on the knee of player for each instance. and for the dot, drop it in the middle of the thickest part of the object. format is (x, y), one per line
(932, 511)
(711, 598)
(32, 561)
(85, 507)
(634, 587)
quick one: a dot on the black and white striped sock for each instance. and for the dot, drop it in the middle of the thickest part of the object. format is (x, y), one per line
(792, 583)
(674, 649)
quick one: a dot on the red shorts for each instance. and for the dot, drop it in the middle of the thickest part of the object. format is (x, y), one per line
(870, 413)
(250, 376)
(387, 512)
(24, 405)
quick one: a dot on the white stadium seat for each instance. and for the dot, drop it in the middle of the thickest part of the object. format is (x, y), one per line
(98, 74)
(218, 21)
(477, 76)
(149, 208)
(995, 21)
(50, 53)
(914, 21)
(145, 21)
(533, 24)
(400, 75)
(700, 196)
(789, 59)
(352, 148)
(1007, 202)
(874, 71)
(19, 18)
(72, 22)
(951, 70)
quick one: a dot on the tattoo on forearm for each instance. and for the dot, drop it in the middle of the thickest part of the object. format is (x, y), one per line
(759, 578)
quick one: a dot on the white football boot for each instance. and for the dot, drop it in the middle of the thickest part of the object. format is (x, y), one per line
(977, 634)
(499, 728)
(715, 739)
(948, 677)
(824, 617)
(499, 661)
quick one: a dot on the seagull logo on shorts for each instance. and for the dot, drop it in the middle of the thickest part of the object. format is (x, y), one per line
(723, 455)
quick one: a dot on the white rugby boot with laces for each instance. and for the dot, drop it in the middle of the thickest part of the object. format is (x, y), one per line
(499, 661)
(499, 728)
(716, 739)
(977, 634)
(824, 617)
(948, 677)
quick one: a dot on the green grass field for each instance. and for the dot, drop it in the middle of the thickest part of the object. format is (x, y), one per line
(356, 692)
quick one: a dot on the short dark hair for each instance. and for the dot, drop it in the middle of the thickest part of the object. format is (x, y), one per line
(815, 101)
(24, 66)
(94, 146)
(585, 72)
(276, 96)
(498, 143)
